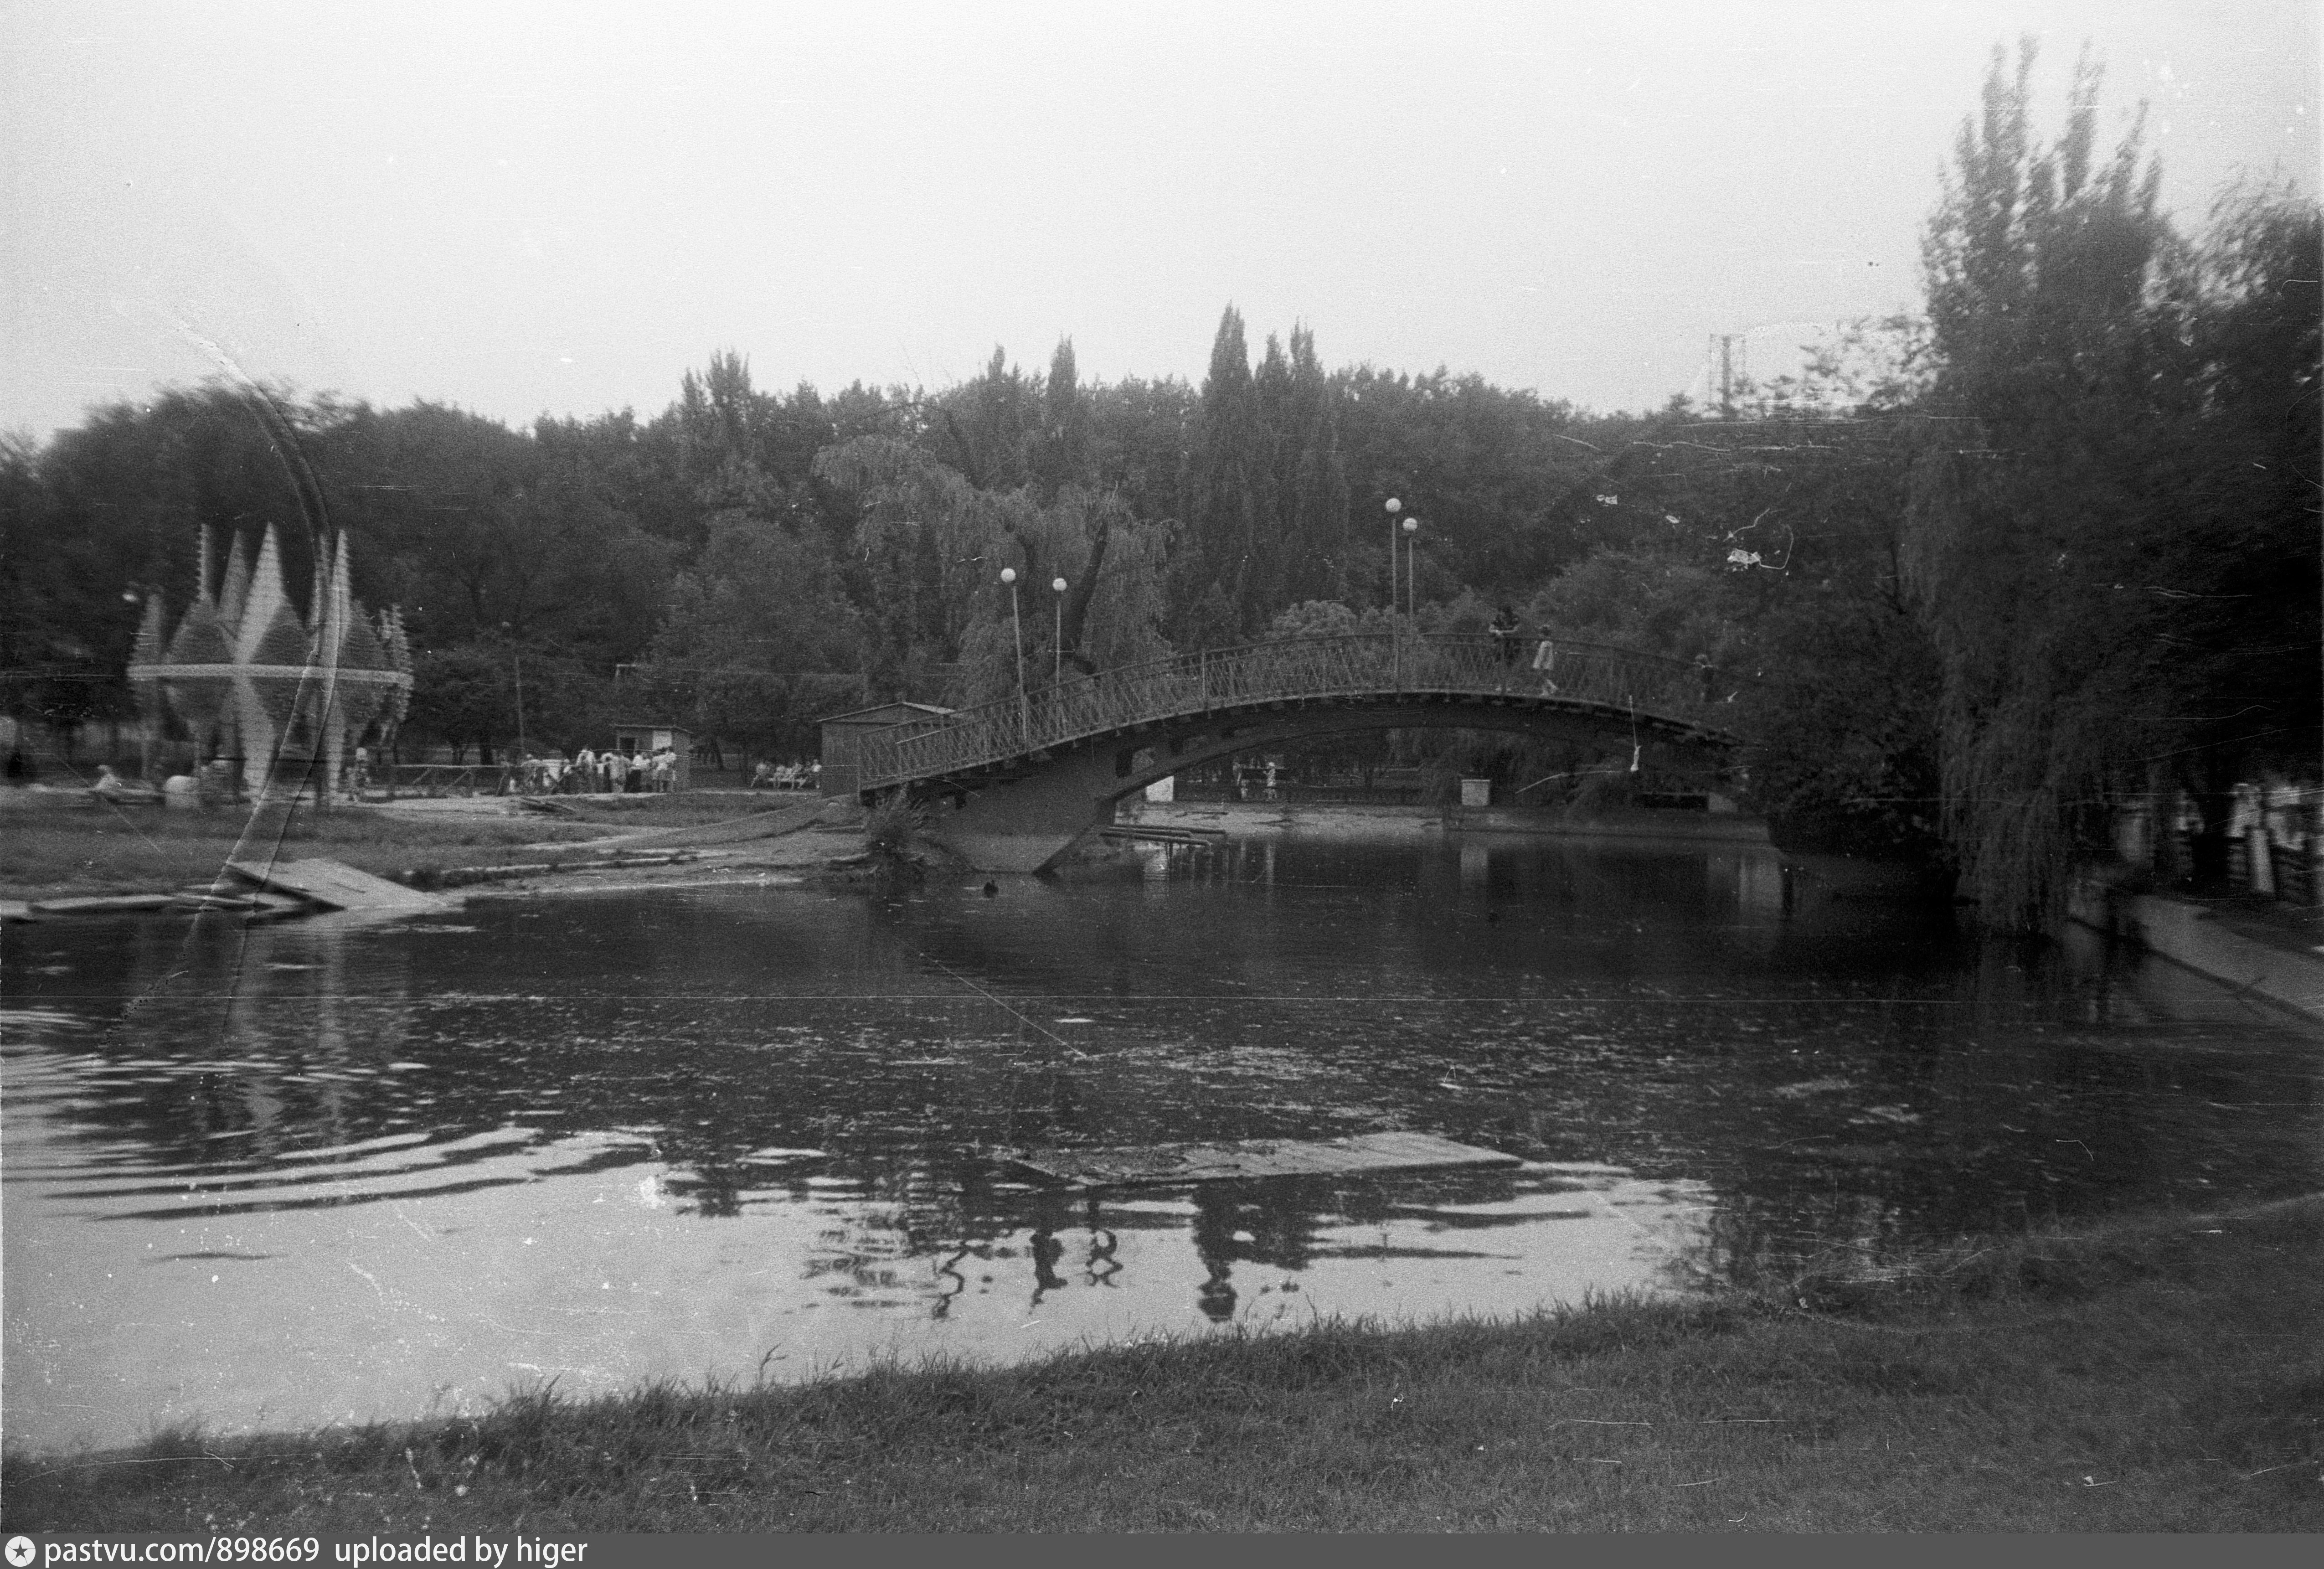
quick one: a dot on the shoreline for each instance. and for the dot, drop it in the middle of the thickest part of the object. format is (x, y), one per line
(1334, 819)
(2272, 954)
(2137, 1373)
(420, 844)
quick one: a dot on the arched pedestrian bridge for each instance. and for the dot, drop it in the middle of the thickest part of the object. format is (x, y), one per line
(1012, 785)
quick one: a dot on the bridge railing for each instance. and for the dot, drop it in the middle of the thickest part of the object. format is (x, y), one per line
(1350, 665)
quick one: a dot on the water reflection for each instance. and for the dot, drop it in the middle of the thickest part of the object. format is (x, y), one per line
(296, 1172)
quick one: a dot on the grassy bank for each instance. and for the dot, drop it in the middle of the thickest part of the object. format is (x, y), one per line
(55, 844)
(2161, 1375)
(51, 850)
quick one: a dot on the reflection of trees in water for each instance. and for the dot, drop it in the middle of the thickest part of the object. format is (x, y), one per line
(239, 1044)
(1939, 1135)
(1755, 1241)
(1101, 1266)
(1281, 1219)
(949, 1214)
(951, 1282)
(1046, 1251)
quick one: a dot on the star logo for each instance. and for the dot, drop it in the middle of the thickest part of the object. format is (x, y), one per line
(19, 1551)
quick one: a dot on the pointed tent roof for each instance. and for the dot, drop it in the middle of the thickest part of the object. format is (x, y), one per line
(329, 613)
(282, 643)
(398, 645)
(201, 638)
(149, 648)
(234, 588)
(361, 650)
(259, 608)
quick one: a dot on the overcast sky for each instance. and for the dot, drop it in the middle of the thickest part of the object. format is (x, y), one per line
(558, 208)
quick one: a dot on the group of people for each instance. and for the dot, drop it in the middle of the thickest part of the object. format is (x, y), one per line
(608, 772)
(1258, 781)
(1509, 640)
(787, 776)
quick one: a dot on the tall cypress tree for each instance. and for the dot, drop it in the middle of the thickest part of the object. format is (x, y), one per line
(1217, 554)
(1314, 486)
(1064, 453)
(1272, 496)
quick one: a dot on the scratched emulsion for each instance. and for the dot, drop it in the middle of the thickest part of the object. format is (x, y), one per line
(293, 1174)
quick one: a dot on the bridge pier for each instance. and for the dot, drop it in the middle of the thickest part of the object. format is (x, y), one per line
(1028, 822)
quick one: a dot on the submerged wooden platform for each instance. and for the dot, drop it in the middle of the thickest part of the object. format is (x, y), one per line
(337, 886)
(1161, 1165)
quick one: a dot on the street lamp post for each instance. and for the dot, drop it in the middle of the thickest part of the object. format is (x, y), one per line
(1394, 507)
(1017, 616)
(1411, 579)
(516, 662)
(1057, 642)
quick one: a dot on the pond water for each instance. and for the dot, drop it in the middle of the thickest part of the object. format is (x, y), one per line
(280, 1175)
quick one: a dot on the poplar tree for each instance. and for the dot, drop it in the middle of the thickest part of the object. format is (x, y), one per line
(1063, 454)
(1217, 559)
(1311, 486)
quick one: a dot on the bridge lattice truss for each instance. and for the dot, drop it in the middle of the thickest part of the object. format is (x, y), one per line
(1669, 696)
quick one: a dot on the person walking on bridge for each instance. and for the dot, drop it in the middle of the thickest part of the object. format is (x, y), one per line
(1505, 630)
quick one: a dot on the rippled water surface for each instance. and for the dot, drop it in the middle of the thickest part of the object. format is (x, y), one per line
(284, 1175)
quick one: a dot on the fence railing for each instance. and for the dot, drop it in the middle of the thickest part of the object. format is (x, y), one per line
(1364, 664)
(445, 779)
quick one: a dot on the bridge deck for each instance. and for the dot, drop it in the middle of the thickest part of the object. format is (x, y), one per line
(1664, 694)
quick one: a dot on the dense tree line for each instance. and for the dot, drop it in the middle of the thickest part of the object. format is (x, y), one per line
(1972, 576)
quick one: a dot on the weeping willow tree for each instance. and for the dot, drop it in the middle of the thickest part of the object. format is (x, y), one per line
(2039, 270)
(2084, 529)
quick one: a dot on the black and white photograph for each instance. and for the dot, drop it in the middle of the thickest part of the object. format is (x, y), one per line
(1497, 766)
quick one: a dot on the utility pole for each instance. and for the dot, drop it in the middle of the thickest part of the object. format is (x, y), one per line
(1723, 346)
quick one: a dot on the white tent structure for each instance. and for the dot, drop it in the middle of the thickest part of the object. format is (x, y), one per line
(252, 681)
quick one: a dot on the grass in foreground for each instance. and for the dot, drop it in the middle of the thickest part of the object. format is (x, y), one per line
(2163, 1375)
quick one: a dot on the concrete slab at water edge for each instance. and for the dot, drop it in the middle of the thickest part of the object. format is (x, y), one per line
(1159, 1165)
(761, 825)
(2268, 954)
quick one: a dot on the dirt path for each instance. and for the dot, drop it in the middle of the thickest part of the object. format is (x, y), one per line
(783, 859)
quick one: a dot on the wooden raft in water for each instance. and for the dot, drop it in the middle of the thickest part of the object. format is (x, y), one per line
(336, 885)
(1160, 1165)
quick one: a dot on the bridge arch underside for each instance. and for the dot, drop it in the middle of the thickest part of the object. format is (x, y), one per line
(1025, 814)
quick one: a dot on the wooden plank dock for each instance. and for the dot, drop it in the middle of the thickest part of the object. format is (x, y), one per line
(337, 886)
(1163, 1165)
